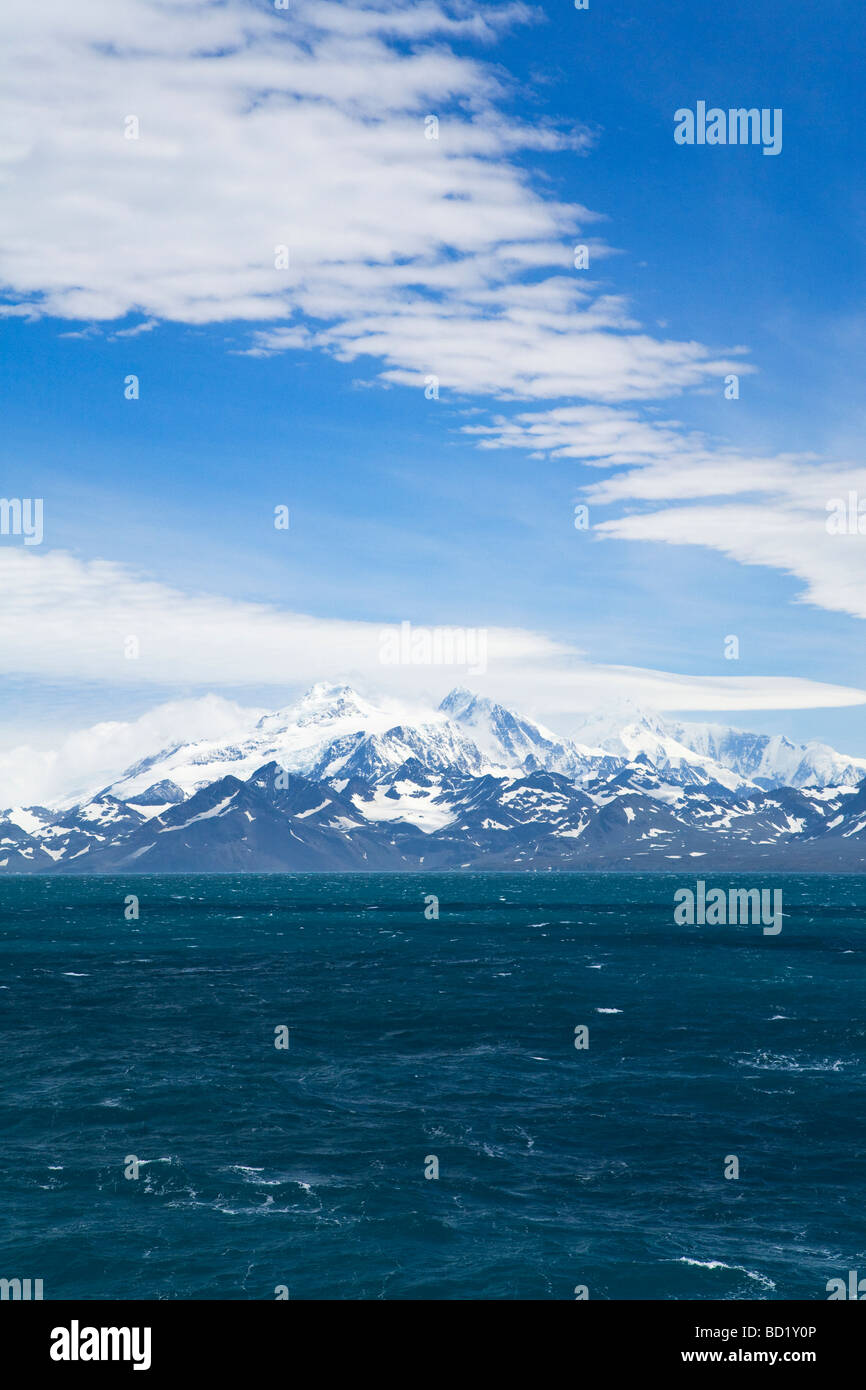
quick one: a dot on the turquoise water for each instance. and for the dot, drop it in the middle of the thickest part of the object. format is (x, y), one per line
(410, 1039)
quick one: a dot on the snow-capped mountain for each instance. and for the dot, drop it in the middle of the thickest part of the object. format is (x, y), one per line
(635, 734)
(334, 731)
(295, 737)
(338, 782)
(734, 756)
(770, 760)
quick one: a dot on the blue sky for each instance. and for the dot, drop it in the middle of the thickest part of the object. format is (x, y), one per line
(317, 402)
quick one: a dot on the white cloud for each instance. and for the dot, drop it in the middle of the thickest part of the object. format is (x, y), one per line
(756, 510)
(305, 129)
(71, 622)
(90, 758)
(787, 531)
(597, 434)
(74, 621)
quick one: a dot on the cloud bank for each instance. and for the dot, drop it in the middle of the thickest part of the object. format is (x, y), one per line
(206, 163)
(100, 622)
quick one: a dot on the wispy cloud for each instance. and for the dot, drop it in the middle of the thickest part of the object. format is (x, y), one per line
(160, 154)
(778, 511)
(305, 132)
(100, 622)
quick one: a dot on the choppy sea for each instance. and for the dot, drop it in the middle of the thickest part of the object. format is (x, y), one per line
(413, 1038)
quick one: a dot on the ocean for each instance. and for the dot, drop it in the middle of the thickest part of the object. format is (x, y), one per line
(146, 1046)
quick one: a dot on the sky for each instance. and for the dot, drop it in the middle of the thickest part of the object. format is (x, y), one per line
(386, 334)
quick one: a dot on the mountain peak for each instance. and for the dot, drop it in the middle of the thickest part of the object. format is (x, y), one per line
(325, 702)
(329, 695)
(457, 701)
(328, 690)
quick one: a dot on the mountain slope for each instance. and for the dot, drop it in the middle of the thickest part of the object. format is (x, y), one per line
(333, 783)
(410, 818)
(770, 760)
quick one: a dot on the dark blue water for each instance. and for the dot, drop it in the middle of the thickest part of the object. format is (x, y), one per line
(412, 1038)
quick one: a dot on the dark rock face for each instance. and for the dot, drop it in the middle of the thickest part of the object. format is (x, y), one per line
(412, 817)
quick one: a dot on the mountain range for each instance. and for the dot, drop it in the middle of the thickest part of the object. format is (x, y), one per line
(337, 782)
